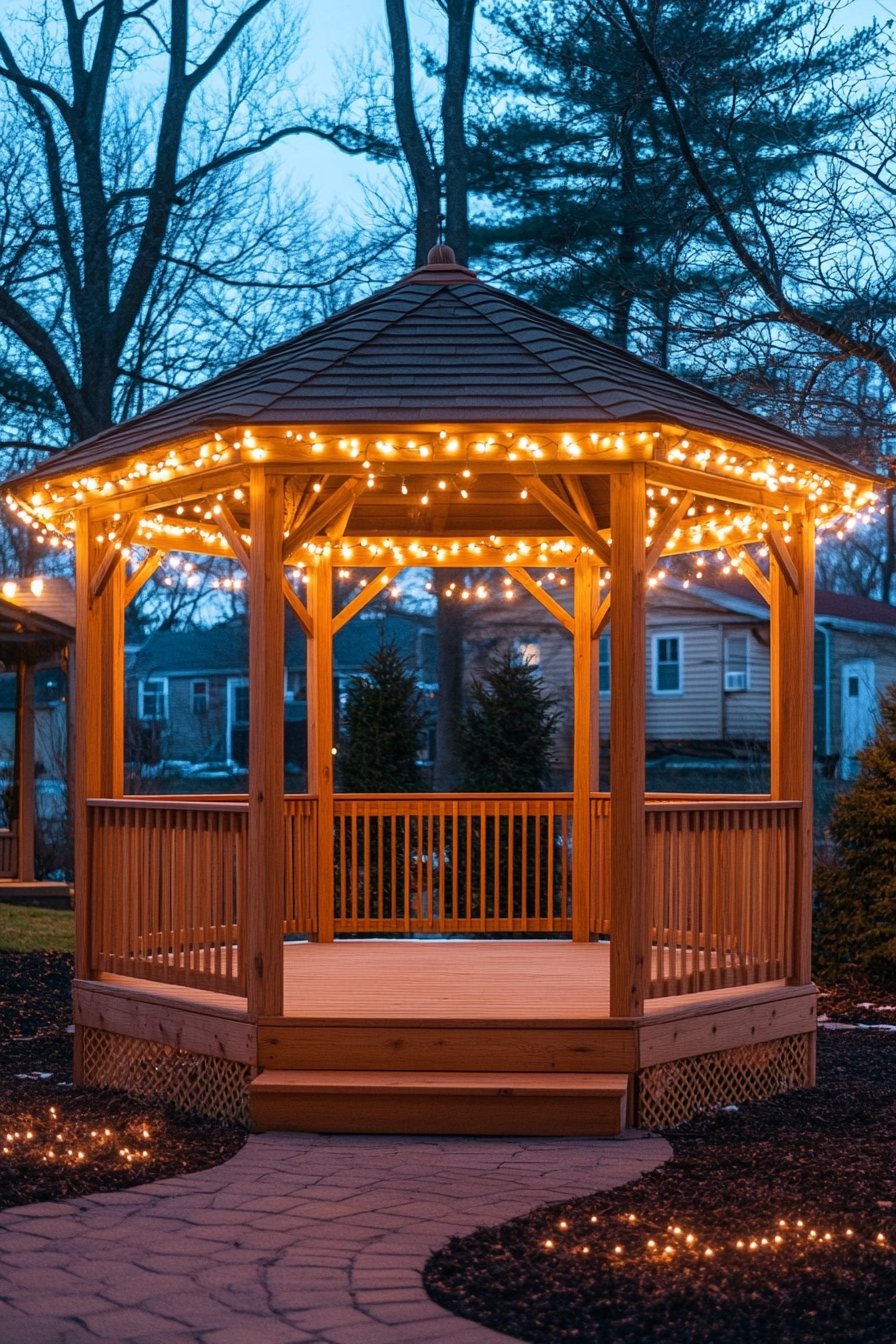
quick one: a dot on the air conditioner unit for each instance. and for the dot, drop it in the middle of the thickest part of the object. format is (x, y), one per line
(735, 681)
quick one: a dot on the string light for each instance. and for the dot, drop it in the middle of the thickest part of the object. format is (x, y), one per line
(793, 1239)
(53, 1142)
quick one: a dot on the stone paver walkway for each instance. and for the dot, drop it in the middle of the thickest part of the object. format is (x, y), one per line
(300, 1237)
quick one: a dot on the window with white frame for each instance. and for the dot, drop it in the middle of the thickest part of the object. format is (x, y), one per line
(239, 691)
(199, 697)
(737, 662)
(668, 673)
(153, 695)
(603, 665)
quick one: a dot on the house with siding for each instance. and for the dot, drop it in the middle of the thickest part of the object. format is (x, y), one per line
(708, 669)
(187, 691)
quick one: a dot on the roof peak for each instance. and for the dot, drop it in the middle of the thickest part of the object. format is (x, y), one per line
(442, 268)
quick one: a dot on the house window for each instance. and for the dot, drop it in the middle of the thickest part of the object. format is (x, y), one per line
(199, 697)
(667, 670)
(241, 704)
(527, 651)
(737, 662)
(153, 695)
(603, 665)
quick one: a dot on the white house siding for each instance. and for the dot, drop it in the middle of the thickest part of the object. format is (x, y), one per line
(747, 713)
(845, 647)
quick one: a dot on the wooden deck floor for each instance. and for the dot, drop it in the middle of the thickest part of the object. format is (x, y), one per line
(458, 981)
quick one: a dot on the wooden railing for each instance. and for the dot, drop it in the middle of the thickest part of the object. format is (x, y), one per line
(9, 853)
(300, 915)
(167, 890)
(720, 875)
(169, 876)
(453, 863)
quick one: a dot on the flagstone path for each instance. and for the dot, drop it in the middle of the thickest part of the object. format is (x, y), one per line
(298, 1238)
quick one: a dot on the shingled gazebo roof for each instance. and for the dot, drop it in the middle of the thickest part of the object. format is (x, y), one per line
(440, 349)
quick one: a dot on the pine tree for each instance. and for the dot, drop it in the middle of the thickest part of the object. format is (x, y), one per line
(508, 730)
(590, 203)
(383, 719)
(855, 918)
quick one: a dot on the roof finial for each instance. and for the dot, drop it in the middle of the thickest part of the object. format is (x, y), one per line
(441, 254)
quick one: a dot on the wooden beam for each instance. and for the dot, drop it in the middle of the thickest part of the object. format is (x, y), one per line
(560, 510)
(320, 734)
(584, 726)
(87, 741)
(112, 555)
(628, 885)
(230, 530)
(780, 550)
(748, 568)
(580, 501)
(182, 490)
(297, 605)
(670, 520)
(144, 571)
(265, 893)
(727, 488)
(549, 603)
(792, 648)
(317, 520)
(373, 588)
(187, 545)
(601, 616)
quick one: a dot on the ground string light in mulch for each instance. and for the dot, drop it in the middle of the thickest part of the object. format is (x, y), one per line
(794, 1198)
(633, 1238)
(56, 1142)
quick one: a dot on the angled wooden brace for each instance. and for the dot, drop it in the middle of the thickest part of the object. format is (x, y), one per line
(231, 533)
(778, 547)
(298, 607)
(111, 557)
(370, 590)
(748, 567)
(565, 515)
(141, 575)
(667, 525)
(549, 603)
(317, 521)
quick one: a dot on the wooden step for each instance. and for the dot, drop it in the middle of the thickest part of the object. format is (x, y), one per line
(390, 1102)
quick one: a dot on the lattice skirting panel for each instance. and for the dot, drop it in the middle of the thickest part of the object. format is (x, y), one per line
(671, 1093)
(201, 1083)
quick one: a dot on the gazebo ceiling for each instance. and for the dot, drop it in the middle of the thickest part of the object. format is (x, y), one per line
(445, 409)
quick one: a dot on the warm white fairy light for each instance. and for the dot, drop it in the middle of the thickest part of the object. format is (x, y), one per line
(674, 1241)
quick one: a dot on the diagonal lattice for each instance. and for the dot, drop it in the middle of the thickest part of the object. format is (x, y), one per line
(673, 1092)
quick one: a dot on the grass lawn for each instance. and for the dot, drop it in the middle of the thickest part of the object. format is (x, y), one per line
(25, 928)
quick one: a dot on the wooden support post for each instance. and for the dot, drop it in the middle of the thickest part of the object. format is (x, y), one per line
(88, 736)
(584, 729)
(320, 733)
(111, 685)
(24, 754)
(262, 920)
(628, 916)
(792, 646)
(99, 723)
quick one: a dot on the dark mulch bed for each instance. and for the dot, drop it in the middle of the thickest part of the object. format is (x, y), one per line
(826, 1156)
(81, 1140)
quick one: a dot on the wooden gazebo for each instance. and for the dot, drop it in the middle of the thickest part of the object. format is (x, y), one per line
(444, 423)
